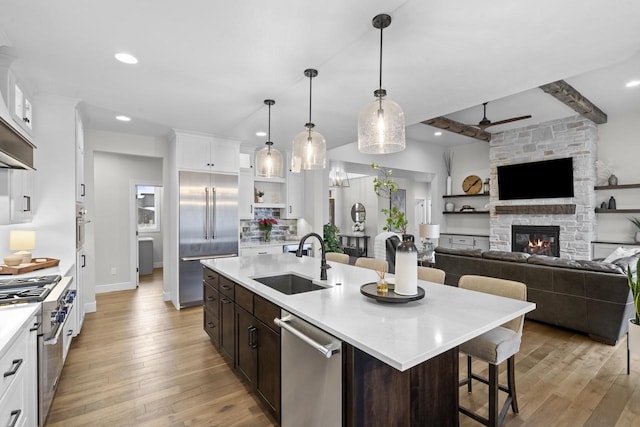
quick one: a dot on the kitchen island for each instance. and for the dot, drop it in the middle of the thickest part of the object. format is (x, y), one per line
(401, 361)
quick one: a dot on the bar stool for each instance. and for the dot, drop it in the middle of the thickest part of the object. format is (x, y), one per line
(429, 274)
(337, 257)
(494, 347)
(371, 263)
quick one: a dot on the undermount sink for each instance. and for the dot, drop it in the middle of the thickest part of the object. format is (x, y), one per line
(289, 284)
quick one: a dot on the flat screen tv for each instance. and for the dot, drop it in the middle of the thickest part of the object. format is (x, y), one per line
(536, 180)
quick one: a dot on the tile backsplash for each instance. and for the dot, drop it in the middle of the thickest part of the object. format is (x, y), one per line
(285, 229)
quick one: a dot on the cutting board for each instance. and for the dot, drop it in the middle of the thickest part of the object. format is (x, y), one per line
(25, 268)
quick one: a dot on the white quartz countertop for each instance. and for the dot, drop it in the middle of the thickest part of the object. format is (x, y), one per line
(13, 318)
(401, 335)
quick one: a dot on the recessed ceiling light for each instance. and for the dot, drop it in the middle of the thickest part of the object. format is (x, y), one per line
(437, 133)
(633, 83)
(123, 118)
(126, 58)
(261, 133)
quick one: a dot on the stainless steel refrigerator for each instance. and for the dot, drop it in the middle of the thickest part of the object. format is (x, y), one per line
(208, 227)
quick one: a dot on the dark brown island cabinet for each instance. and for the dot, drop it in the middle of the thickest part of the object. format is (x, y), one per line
(240, 325)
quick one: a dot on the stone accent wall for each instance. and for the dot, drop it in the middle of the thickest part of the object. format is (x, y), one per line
(286, 229)
(575, 137)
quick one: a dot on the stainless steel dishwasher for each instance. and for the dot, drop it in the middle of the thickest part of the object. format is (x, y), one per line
(311, 374)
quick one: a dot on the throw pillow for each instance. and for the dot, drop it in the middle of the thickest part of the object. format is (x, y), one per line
(621, 252)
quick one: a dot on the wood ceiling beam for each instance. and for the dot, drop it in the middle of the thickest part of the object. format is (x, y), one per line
(569, 96)
(459, 128)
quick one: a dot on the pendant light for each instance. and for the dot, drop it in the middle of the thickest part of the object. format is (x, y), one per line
(381, 122)
(309, 146)
(268, 159)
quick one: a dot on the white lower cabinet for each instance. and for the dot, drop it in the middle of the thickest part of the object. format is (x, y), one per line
(261, 250)
(18, 387)
(458, 241)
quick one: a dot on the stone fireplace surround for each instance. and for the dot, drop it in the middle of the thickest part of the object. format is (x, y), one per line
(569, 137)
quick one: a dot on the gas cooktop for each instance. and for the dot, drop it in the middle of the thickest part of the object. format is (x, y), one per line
(26, 289)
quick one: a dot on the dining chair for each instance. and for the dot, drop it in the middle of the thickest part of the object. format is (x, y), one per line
(371, 263)
(429, 274)
(494, 347)
(337, 257)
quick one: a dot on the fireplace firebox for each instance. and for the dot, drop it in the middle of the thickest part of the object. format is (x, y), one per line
(536, 239)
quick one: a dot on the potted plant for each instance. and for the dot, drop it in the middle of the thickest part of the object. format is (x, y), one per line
(634, 323)
(384, 186)
(330, 235)
(636, 222)
(259, 196)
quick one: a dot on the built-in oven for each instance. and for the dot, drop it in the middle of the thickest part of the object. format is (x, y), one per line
(307, 249)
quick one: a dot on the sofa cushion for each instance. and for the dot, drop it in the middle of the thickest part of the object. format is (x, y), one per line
(476, 253)
(628, 262)
(506, 256)
(552, 261)
(600, 266)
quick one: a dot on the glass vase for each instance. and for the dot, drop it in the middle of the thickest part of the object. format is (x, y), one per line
(267, 235)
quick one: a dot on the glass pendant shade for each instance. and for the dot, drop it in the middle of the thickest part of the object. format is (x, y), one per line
(381, 127)
(269, 163)
(338, 178)
(309, 151)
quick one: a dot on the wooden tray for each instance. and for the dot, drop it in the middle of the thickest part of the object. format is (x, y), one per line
(25, 268)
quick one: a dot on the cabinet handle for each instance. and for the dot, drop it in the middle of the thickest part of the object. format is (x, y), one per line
(28, 209)
(226, 287)
(82, 190)
(211, 299)
(15, 415)
(225, 301)
(70, 332)
(262, 253)
(211, 325)
(253, 341)
(84, 261)
(16, 365)
(289, 208)
(35, 327)
(251, 208)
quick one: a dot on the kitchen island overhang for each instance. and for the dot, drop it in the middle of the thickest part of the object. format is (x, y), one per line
(400, 335)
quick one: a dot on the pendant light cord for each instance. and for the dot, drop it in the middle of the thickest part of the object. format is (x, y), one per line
(310, 92)
(380, 81)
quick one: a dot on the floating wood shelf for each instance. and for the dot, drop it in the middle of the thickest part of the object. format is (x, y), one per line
(536, 209)
(465, 212)
(625, 211)
(466, 195)
(616, 187)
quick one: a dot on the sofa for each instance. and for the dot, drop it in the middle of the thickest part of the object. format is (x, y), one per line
(592, 297)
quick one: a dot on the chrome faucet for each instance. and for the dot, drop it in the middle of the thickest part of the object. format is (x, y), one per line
(323, 263)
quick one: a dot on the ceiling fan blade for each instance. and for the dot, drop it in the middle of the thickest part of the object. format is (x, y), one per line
(501, 122)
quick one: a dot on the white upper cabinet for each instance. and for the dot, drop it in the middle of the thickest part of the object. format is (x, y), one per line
(206, 153)
(80, 185)
(16, 196)
(20, 104)
(245, 196)
(295, 195)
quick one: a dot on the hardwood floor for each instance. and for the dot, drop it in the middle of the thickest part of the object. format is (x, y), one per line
(140, 362)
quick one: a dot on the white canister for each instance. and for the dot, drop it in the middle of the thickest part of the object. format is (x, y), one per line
(449, 206)
(406, 267)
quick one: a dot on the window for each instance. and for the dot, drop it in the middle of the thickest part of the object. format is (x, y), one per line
(149, 200)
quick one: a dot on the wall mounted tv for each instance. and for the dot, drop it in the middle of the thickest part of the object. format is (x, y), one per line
(536, 180)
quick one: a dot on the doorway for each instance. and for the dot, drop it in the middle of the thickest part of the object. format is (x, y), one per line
(147, 238)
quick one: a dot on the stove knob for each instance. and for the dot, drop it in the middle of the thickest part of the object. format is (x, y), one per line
(60, 316)
(71, 296)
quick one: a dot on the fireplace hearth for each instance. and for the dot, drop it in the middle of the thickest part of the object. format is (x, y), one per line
(536, 239)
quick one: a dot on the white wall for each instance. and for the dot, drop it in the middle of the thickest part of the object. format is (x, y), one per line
(359, 190)
(113, 178)
(618, 146)
(136, 149)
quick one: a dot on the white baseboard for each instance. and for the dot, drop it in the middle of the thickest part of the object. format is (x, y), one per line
(157, 264)
(90, 307)
(166, 296)
(112, 287)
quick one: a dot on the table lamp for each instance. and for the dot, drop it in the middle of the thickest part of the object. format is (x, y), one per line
(428, 232)
(22, 241)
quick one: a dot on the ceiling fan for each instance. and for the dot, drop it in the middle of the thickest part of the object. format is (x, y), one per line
(485, 123)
